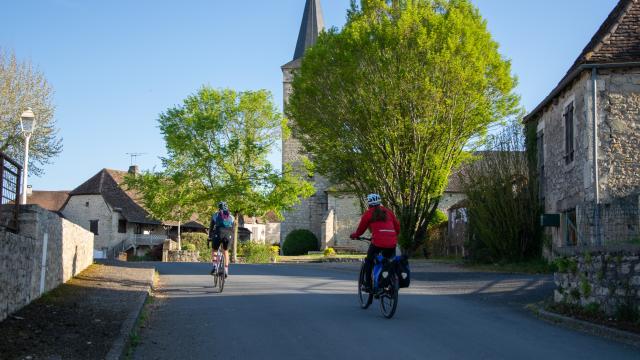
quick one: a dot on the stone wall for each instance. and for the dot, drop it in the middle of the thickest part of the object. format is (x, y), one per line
(69, 250)
(183, 256)
(611, 280)
(81, 209)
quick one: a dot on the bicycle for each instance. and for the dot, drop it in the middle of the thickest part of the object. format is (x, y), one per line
(219, 276)
(385, 285)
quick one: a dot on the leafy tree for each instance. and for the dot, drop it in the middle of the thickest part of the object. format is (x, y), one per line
(167, 196)
(221, 138)
(502, 200)
(22, 86)
(390, 103)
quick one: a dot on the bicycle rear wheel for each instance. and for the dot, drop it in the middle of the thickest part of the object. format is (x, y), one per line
(365, 297)
(220, 274)
(389, 298)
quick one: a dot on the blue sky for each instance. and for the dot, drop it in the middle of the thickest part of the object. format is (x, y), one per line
(115, 65)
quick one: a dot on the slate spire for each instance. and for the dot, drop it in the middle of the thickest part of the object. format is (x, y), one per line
(312, 25)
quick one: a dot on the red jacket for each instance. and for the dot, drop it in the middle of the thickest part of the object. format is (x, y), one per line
(384, 234)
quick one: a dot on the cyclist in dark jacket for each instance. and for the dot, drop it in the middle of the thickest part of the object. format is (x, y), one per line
(384, 228)
(220, 233)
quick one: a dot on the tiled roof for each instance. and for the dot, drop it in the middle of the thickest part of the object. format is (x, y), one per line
(617, 41)
(50, 200)
(109, 184)
(618, 38)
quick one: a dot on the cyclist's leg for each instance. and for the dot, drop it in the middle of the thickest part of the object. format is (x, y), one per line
(225, 247)
(368, 264)
(214, 253)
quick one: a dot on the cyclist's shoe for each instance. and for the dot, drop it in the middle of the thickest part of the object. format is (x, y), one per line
(226, 271)
(213, 270)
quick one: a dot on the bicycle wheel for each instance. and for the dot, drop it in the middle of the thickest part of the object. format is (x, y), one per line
(220, 274)
(389, 298)
(365, 297)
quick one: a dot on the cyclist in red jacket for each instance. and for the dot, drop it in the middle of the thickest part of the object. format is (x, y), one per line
(384, 228)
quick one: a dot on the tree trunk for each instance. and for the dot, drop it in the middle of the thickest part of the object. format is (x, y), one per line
(179, 237)
(235, 238)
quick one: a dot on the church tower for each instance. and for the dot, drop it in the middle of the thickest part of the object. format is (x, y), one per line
(311, 213)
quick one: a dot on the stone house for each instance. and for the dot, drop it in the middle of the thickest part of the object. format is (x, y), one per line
(331, 214)
(588, 139)
(120, 223)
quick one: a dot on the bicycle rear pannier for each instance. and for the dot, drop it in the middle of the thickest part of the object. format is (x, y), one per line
(404, 272)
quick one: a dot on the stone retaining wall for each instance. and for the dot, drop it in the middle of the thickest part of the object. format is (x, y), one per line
(69, 250)
(183, 256)
(608, 279)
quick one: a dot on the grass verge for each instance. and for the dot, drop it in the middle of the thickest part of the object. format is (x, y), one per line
(134, 337)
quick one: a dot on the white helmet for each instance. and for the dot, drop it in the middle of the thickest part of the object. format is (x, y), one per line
(374, 200)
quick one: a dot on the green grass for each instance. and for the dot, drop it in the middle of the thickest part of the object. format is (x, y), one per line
(317, 257)
(134, 337)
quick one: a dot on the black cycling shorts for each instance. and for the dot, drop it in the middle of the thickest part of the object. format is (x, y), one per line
(222, 238)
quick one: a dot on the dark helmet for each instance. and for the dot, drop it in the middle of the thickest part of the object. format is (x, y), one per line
(223, 206)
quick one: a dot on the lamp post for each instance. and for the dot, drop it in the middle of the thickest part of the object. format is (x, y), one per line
(27, 124)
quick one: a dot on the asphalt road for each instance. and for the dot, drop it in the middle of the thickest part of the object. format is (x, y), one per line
(312, 312)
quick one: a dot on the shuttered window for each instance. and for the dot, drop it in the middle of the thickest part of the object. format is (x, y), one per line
(93, 226)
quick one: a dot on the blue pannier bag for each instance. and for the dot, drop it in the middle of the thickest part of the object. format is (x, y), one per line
(404, 272)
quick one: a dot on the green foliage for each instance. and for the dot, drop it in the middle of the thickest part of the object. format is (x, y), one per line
(588, 258)
(328, 252)
(585, 287)
(255, 253)
(390, 103)
(627, 312)
(503, 204)
(299, 242)
(219, 141)
(562, 264)
(592, 309)
(275, 252)
(199, 240)
(21, 86)
(167, 196)
(189, 247)
(575, 294)
(438, 218)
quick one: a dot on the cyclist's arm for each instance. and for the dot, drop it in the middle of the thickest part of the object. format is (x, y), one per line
(396, 223)
(364, 224)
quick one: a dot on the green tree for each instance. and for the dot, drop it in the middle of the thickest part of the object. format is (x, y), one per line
(390, 103)
(222, 138)
(23, 86)
(167, 196)
(502, 200)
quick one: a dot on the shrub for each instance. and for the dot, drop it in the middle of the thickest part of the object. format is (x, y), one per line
(329, 252)
(199, 240)
(275, 251)
(438, 218)
(189, 247)
(255, 253)
(299, 242)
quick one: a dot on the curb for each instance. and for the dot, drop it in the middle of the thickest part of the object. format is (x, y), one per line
(121, 343)
(622, 336)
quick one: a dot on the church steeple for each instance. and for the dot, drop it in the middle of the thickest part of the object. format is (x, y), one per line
(312, 25)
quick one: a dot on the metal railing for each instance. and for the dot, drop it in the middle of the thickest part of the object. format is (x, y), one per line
(10, 173)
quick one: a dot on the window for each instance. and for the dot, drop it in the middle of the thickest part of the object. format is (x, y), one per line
(93, 226)
(568, 133)
(138, 229)
(122, 226)
(571, 233)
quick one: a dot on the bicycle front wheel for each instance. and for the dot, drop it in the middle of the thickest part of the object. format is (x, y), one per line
(389, 299)
(365, 297)
(221, 274)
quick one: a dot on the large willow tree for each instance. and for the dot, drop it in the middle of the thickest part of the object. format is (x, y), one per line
(390, 103)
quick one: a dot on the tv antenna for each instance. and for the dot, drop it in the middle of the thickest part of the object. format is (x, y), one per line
(134, 157)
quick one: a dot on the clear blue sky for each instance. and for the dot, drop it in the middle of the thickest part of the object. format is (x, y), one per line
(115, 65)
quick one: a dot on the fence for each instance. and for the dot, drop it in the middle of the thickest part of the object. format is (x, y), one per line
(616, 223)
(10, 172)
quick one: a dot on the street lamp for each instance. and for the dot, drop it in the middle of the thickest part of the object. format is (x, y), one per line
(27, 124)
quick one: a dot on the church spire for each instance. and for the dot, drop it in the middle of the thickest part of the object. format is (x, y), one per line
(312, 25)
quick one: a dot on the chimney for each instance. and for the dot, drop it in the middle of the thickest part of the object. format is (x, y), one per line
(134, 170)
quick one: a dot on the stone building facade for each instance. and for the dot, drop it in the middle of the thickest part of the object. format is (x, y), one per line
(594, 109)
(102, 205)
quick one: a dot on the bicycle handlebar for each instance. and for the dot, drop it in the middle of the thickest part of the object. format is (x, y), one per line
(362, 238)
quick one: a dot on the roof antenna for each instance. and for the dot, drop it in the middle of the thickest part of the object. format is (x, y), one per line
(134, 157)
